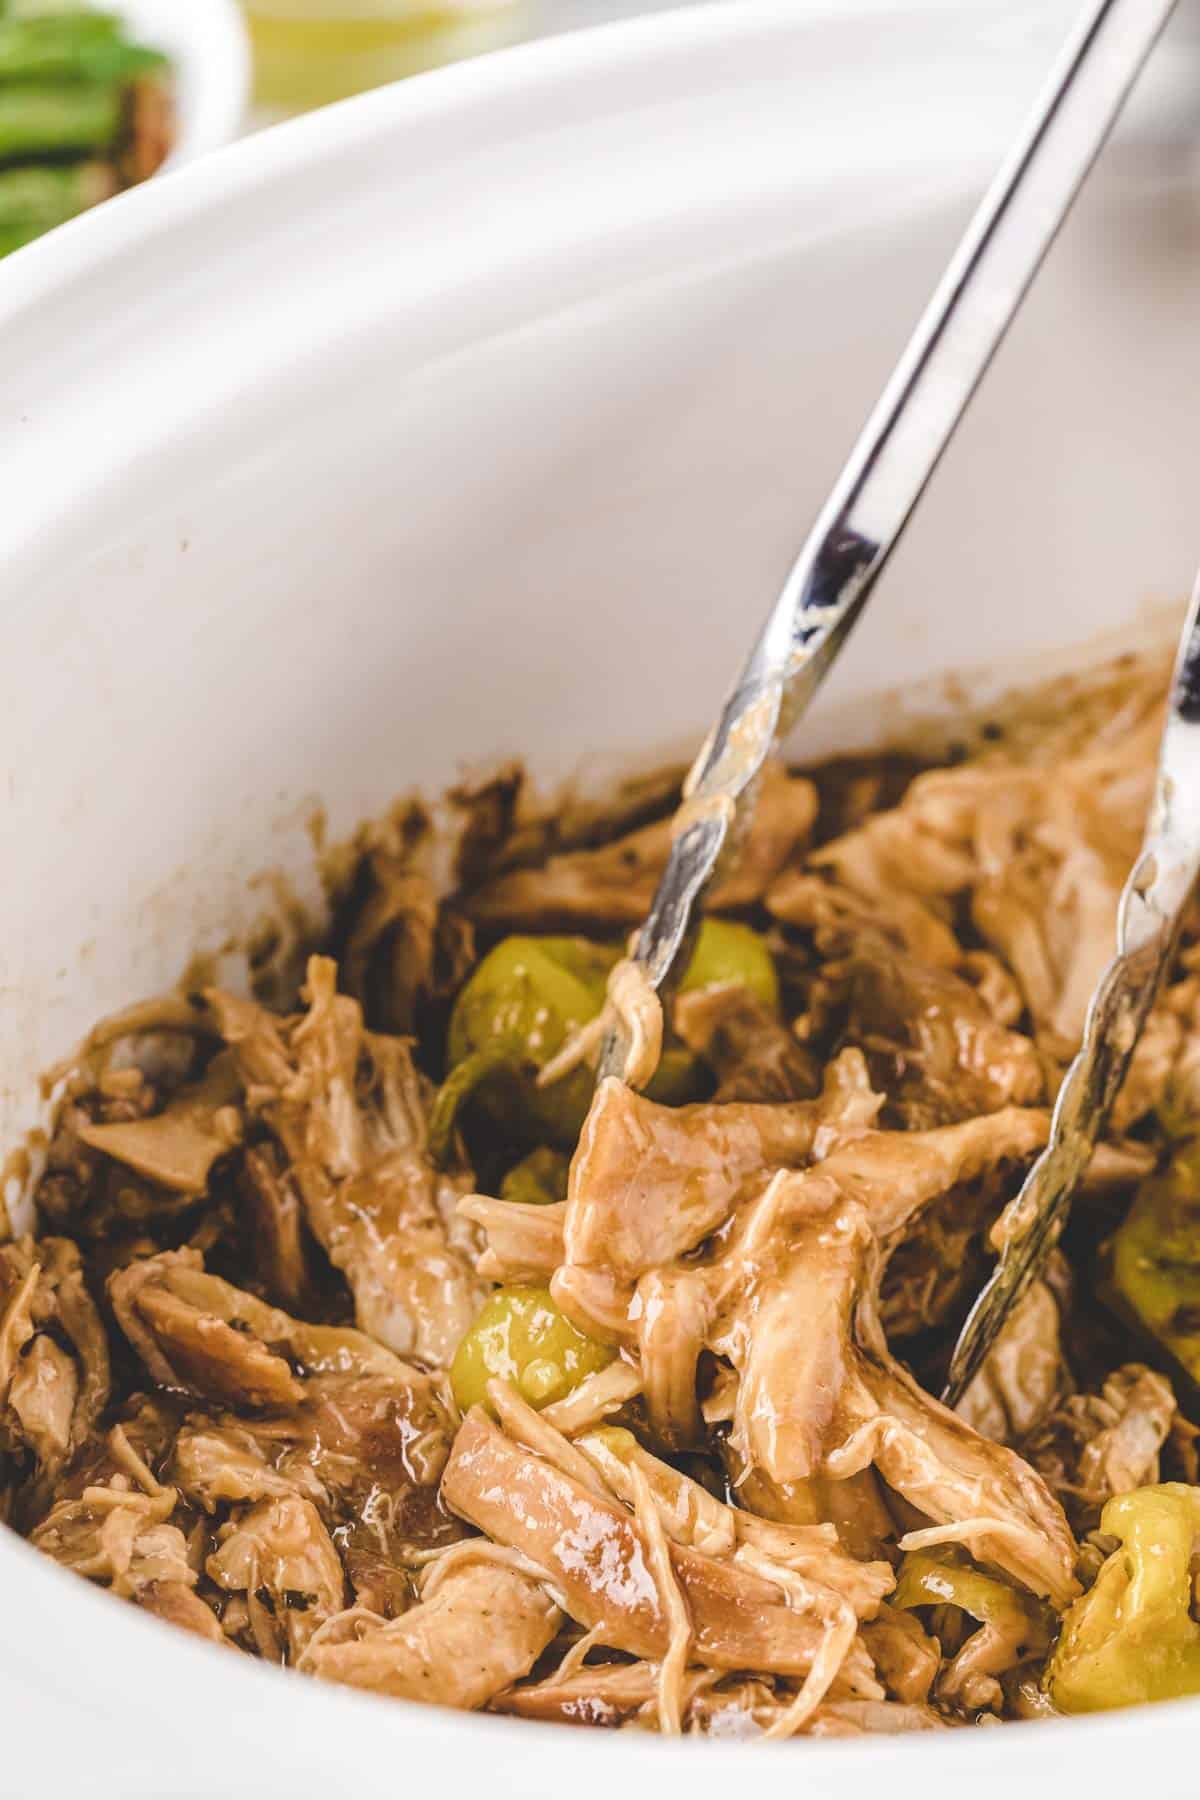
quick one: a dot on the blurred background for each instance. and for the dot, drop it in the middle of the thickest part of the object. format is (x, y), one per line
(309, 51)
(97, 96)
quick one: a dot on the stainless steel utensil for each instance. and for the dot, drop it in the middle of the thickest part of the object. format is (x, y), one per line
(896, 454)
(1152, 903)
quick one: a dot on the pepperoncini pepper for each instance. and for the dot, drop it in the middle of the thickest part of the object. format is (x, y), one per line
(1155, 1257)
(539, 1179)
(1132, 1637)
(519, 1335)
(529, 995)
(728, 952)
(946, 1578)
(521, 1004)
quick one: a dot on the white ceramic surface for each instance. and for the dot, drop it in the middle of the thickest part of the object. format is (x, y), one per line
(208, 43)
(482, 415)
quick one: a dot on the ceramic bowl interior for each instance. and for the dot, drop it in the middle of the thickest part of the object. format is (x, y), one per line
(481, 417)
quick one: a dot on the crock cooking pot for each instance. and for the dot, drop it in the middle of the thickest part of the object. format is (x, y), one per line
(481, 416)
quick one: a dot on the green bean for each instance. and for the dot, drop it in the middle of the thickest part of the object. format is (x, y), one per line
(37, 121)
(15, 237)
(48, 196)
(71, 49)
(51, 15)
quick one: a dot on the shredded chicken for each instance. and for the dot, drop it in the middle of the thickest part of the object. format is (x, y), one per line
(1100, 1444)
(282, 1259)
(907, 1658)
(117, 1524)
(649, 1183)
(54, 1360)
(387, 935)
(482, 1629)
(932, 1044)
(177, 1147)
(615, 884)
(347, 1108)
(597, 1561)
(632, 1009)
(285, 1369)
(1023, 1375)
(748, 1047)
(1040, 845)
(321, 1414)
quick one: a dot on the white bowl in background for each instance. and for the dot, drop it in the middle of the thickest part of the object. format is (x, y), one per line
(483, 415)
(208, 42)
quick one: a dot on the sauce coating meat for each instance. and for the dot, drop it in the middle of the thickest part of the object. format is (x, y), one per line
(369, 1336)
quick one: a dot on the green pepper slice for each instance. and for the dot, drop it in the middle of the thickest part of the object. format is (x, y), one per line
(520, 1336)
(520, 1006)
(530, 995)
(727, 952)
(946, 1578)
(1155, 1257)
(1132, 1638)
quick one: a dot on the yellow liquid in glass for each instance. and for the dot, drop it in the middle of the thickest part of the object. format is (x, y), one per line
(309, 51)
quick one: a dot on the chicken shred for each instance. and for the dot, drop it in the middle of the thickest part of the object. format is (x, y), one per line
(663, 1454)
(349, 1111)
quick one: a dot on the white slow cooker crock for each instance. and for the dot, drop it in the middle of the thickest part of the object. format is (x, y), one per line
(482, 416)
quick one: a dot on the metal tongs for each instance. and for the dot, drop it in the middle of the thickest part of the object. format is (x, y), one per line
(859, 526)
(1152, 903)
